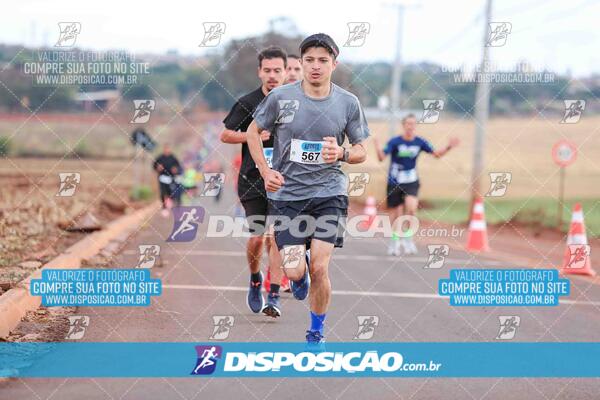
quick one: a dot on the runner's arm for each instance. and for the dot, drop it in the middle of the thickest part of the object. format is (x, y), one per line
(256, 148)
(357, 132)
(178, 168)
(239, 114)
(273, 179)
(157, 166)
(380, 153)
(451, 144)
(356, 154)
(233, 137)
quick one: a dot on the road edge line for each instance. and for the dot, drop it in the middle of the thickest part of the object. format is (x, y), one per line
(15, 303)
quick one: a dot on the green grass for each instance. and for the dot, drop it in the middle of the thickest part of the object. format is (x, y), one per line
(540, 212)
(141, 192)
(5, 146)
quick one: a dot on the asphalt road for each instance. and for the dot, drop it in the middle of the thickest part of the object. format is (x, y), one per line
(208, 277)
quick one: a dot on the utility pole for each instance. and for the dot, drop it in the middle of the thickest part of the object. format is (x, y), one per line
(397, 73)
(482, 109)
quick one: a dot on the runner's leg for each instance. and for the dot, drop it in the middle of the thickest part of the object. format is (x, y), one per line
(256, 211)
(254, 253)
(397, 239)
(273, 307)
(410, 204)
(320, 288)
(164, 191)
(292, 267)
(274, 260)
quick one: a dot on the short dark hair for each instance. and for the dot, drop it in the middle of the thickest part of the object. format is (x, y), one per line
(409, 116)
(320, 40)
(296, 56)
(270, 53)
(331, 53)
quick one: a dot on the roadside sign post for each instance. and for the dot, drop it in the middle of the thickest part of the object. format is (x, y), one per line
(142, 143)
(564, 154)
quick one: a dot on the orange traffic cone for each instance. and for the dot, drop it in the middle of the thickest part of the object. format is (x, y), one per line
(370, 211)
(577, 254)
(477, 239)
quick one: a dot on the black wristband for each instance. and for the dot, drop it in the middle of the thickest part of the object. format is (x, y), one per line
(345, 155)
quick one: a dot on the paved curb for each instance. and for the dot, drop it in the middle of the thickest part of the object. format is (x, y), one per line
(17, 301)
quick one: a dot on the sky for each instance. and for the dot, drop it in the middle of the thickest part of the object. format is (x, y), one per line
(555, 34)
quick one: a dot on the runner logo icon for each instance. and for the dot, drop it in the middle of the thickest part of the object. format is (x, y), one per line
(499, 32)
(222, 327)
(357, 183)
(68, 34)
(185, 223)
(148, 255)
(68, 183)
(213, 181)
(287, 111)
(578, 254)
(508, 326)
(143, 110)
(77, 326)
(207, 359)
(437, 255)
(212, 34)
(357, 33)
(573, 111)
(431, 111)
(292, 256)
(499, 183)
(366, 326)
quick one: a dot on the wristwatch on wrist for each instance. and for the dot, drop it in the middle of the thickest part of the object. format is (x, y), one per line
(345, 154)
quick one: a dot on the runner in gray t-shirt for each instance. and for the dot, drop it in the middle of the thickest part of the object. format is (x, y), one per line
(309, 121)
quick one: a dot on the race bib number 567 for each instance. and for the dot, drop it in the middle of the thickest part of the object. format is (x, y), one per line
(268, 152)
(305, 152)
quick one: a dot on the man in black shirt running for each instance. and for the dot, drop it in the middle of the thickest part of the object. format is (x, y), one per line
(272, 63)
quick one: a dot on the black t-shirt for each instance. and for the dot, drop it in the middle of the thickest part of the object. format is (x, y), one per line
(168, 162)
(250, 183)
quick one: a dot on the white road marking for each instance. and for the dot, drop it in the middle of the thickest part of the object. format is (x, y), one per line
(225, 253)
(408, 295)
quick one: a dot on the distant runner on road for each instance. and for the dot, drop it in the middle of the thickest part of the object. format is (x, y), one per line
(169, 170)
(403, 182)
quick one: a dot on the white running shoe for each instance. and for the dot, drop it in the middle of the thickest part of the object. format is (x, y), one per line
(390, 249)
(410, 247)
(394, 248)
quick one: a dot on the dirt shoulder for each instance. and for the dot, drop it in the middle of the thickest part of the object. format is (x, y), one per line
(36, 224)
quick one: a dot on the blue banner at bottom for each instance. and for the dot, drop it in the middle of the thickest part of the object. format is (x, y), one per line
(279, 359)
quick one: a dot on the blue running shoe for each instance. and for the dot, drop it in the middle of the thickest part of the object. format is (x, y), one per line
(272, 309)
(314, 337)
(315, 342)
(300, 289)
(255, 299)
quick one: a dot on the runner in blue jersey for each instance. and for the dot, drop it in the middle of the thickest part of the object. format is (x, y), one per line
(403, 180)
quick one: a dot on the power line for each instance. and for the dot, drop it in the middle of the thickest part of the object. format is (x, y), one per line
(454, 39)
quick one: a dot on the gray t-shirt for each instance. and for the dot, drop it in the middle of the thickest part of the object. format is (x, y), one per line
(299, 123)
